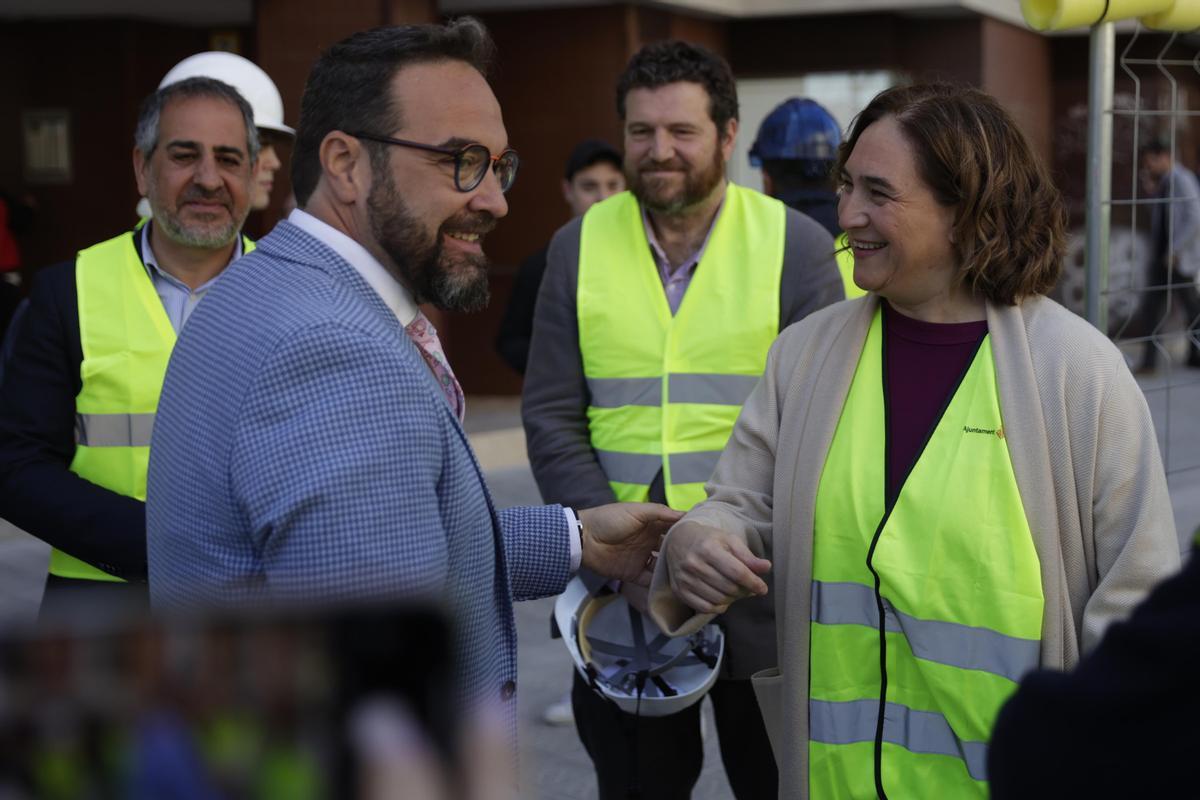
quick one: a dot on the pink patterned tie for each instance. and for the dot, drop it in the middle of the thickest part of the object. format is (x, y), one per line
(425, 337)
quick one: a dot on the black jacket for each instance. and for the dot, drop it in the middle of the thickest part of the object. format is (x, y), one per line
(38, 493)
(516, 330)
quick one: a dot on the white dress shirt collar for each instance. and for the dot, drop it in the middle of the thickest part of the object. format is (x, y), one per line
(394, 295)
(151, 261)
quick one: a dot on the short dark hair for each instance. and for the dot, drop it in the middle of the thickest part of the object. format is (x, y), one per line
(797, 174)
(588, 153)
(661, 63)
(1155, 147)
(349, 87)
(145, 135)
(1010, 222)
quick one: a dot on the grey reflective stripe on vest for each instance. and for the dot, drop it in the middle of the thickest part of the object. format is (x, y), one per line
(693, 467)
(925, 732)
(639, 468)
(713, 389)
(617, 392)
(948, 643)
(113, 430)
(699, 387)
(642, 467)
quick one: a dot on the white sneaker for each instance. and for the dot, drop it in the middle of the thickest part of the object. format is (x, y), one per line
(559, 713)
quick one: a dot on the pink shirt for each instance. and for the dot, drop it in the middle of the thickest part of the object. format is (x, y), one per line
(676, 281)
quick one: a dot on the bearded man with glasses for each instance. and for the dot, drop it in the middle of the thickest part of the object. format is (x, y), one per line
(308, 448)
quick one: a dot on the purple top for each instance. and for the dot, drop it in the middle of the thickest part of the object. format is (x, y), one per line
(924, 363)
(675, 280)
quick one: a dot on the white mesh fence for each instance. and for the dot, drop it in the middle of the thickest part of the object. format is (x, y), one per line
(1152, 297)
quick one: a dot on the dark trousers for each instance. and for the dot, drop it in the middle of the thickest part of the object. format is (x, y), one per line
(668, 752)
(1154, 305)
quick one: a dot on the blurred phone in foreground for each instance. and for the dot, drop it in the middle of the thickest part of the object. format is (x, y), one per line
(111, 703)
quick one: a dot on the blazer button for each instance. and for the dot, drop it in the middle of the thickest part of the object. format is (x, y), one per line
(508, 690)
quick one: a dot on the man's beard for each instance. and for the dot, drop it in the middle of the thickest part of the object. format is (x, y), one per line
(450, 281)
(698, 184)
(199, 235)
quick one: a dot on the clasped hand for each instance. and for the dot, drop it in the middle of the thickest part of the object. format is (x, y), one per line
(710, 568)
(620, 538)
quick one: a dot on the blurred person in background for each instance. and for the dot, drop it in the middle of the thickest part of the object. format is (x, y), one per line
(16, 217)
(955, 479)
(23, 559)
(78, 399)
(1175, 243)
(796, 148)
(652, 326)
(593, 172)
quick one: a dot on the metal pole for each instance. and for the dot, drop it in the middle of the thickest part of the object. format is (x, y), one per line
(1102, 62)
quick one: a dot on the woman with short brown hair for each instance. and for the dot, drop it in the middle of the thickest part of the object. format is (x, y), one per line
(1009, 230)
(955, 478)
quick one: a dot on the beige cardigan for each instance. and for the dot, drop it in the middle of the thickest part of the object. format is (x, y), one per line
(1083, 450)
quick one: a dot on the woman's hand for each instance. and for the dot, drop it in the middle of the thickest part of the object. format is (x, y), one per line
(710, 568)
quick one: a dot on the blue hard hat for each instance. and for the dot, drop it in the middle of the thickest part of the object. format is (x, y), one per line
(798, 129)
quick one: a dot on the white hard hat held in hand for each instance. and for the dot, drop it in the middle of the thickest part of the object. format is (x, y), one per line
(625, 658)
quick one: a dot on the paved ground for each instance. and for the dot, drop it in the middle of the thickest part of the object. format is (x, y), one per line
(1175, 405)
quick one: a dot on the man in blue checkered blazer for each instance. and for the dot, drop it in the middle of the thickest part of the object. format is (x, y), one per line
(304, 451)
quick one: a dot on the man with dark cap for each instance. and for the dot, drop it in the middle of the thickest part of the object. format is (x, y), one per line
(593, 173)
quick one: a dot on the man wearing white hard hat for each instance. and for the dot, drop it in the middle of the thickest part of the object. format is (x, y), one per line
(81, 386)
(260, 92)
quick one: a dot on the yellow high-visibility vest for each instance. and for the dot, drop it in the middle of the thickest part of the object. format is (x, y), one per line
(845, 263)
(666, 390)
(127, 340)
(951, 570)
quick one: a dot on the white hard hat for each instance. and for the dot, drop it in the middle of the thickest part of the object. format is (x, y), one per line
(242, 74)
(625, 657)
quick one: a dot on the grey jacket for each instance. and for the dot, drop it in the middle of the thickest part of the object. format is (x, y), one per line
(555, 400)
(1181, 218)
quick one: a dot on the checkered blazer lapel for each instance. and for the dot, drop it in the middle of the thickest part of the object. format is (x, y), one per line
(289, 242)
(294, 244)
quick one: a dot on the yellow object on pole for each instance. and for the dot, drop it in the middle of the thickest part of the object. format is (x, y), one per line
(1057, 15)
(1184, 15)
